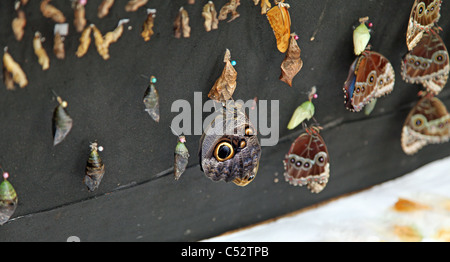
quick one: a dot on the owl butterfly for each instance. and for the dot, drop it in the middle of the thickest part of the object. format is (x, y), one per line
(427, 123)
(371, 76)
(280, 21)
(424, 14)
(229, 147)
(307, 162)
(427, 63)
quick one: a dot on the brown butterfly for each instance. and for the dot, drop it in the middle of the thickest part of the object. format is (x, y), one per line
(307, 162)
(427, 123)
(280, 20)
(427, 63)
(422, 18)
(371, 76)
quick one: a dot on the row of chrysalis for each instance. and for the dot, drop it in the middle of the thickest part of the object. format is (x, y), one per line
(279, 19)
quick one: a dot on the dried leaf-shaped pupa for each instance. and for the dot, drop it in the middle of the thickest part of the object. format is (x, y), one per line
(62, 122)
(181, 24)
(85, 41)
(79, 20)
(95, 169)
(265, 6)
(230, 7)
(103, 42)
(151, 100)
(292, 63)
(8, 200)
(12, 72)
(40, 52)
(210, 15)
(280, 21)
(134, 5)
(147, 27)
(61, 30)
(52, 12)
(225, 85)
(181, 157)
(103, 8)
(18, 25)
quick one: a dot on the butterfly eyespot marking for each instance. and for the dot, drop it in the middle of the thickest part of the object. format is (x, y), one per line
(411, 61)
(292, 160)
(242, 144)
(249, 131)
(363, 89)
(371, 78)
(418, 121)
(380, 82)
(358, 90)
(298, 164)
(417, 63)
(306, 165)
(224, 151)
(420, 9)
(320, 158)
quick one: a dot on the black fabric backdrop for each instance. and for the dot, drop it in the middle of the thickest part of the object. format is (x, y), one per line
(138, 199)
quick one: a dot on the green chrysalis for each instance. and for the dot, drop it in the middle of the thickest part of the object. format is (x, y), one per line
(304, 111)
(370, 106)
(361, 37)
(8, 200)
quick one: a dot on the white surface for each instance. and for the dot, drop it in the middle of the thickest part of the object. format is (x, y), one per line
(368, 215)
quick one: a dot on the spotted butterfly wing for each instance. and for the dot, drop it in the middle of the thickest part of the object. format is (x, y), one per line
(427, 123)
(427, 63)
(307, 162)
(371, 76)
(280, 21)
(229, 149)
(424, 14)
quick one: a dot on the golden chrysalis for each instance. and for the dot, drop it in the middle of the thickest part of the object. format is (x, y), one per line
(280, 21)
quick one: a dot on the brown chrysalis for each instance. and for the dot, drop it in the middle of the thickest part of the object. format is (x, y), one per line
(181, 24)
(85, 41)
(147, 27)
(79, 16)
(61, 31)
(40, 52)
(210, 15)
(225, 85)
(230, 7)
(134, 5)
(292, 63)
(103, 8)
(52, 12)
(103, 42)
(18, 25)
(12, 72)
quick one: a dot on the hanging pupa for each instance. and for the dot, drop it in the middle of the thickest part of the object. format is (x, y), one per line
(151, 100)
(361, 36)
(8, 199)
(62, 122)
(181, 157)
(225, 85)
(304, 112)
(60, 31)
(147, 27)
(95, 169)
(292, 63)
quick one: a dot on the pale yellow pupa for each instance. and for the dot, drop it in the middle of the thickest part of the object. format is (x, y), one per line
(361, 37)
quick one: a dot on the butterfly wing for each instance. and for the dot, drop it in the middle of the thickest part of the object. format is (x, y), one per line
(280, 21)
(422, 18)
(370, 76)
(307, 162)
(427, 123)
(427, 63)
